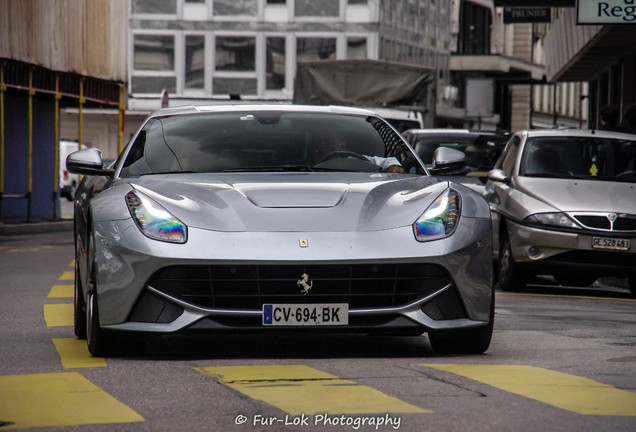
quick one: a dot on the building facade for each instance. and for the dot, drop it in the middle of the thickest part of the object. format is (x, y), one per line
(219, 50)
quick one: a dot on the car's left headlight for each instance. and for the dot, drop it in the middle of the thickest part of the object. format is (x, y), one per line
(440, 218)
(154, 220)
(560, 220)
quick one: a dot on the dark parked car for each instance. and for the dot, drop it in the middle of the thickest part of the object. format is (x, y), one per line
(482, 149)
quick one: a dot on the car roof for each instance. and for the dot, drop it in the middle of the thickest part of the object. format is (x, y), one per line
(325, 109)
(456, 132)
(577, 133)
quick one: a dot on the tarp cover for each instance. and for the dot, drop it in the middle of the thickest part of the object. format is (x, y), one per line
(366, 83)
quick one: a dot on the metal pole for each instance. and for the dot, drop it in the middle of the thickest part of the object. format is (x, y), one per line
(56, 132)
(3, 88)
(122, 109)
(81, 113)
(30, 133)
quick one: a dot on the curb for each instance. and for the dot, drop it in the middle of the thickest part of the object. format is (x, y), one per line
(35, 227)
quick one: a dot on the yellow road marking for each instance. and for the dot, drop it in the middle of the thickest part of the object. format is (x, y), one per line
(298, 389)
(57, 315)
(68, 275)
(565, 391)
(61, 291)
(74, 354)
(30, 249)
(58, 399)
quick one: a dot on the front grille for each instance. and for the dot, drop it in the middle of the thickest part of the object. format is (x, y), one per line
(248, 287)
(623, 222)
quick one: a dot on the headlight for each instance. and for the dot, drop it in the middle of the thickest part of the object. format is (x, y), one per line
(155, 221)
(552, 219)
(440, 218)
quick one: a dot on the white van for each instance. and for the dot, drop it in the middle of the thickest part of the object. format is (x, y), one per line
(68, 181)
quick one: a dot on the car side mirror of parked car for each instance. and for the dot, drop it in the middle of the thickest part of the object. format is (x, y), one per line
(87, 162)
(448, 161)
(498, 175)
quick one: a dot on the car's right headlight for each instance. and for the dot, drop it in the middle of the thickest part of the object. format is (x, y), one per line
(440, 218)
(556, 219)
(154, 220)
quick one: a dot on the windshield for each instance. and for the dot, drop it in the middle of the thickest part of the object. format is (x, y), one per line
(580, 157)
(268, 141)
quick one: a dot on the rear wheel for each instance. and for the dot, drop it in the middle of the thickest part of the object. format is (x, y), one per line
(510, 276)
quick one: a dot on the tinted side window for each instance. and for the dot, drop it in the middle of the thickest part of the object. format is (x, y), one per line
(507, 160)
(149, 153)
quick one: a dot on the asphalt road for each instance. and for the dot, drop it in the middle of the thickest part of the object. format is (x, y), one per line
(562, 359)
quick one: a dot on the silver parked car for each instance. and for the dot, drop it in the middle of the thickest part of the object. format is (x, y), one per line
(262, 218)
(564, 204)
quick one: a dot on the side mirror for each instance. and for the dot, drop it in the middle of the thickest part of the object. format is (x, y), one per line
(448, 161)
(87, 162)
(498, 175)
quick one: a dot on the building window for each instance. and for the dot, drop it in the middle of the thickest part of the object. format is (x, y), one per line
(158, 7)
(275, 67)
(194, 62)
(356, 48)
(235, 53)
(276, 2)
(474, 29)
(313, 49)
(236, 7)
(313, 8)
(154, 53)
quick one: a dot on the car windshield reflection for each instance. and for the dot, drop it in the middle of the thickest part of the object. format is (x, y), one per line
(580, 158)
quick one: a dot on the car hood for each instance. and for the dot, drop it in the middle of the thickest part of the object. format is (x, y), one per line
(292, 201)
(570, 195)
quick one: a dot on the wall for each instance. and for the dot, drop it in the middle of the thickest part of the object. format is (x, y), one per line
(87, 37)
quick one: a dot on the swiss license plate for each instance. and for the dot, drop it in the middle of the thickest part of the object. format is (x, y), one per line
(610, 243)
(306, 314)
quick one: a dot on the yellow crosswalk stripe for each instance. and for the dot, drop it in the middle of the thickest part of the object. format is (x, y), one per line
(299, 389)
(57, 315)
(58, 399)
(61, 291)
(68, 275)
(565, 391)
(74, 354)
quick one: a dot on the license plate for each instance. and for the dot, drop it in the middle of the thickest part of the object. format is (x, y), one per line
(306, 314)
(610, 243)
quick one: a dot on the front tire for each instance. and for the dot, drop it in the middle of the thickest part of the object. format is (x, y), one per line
(100, 344)
(79, 306)
(469, 341)
(510, 276)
